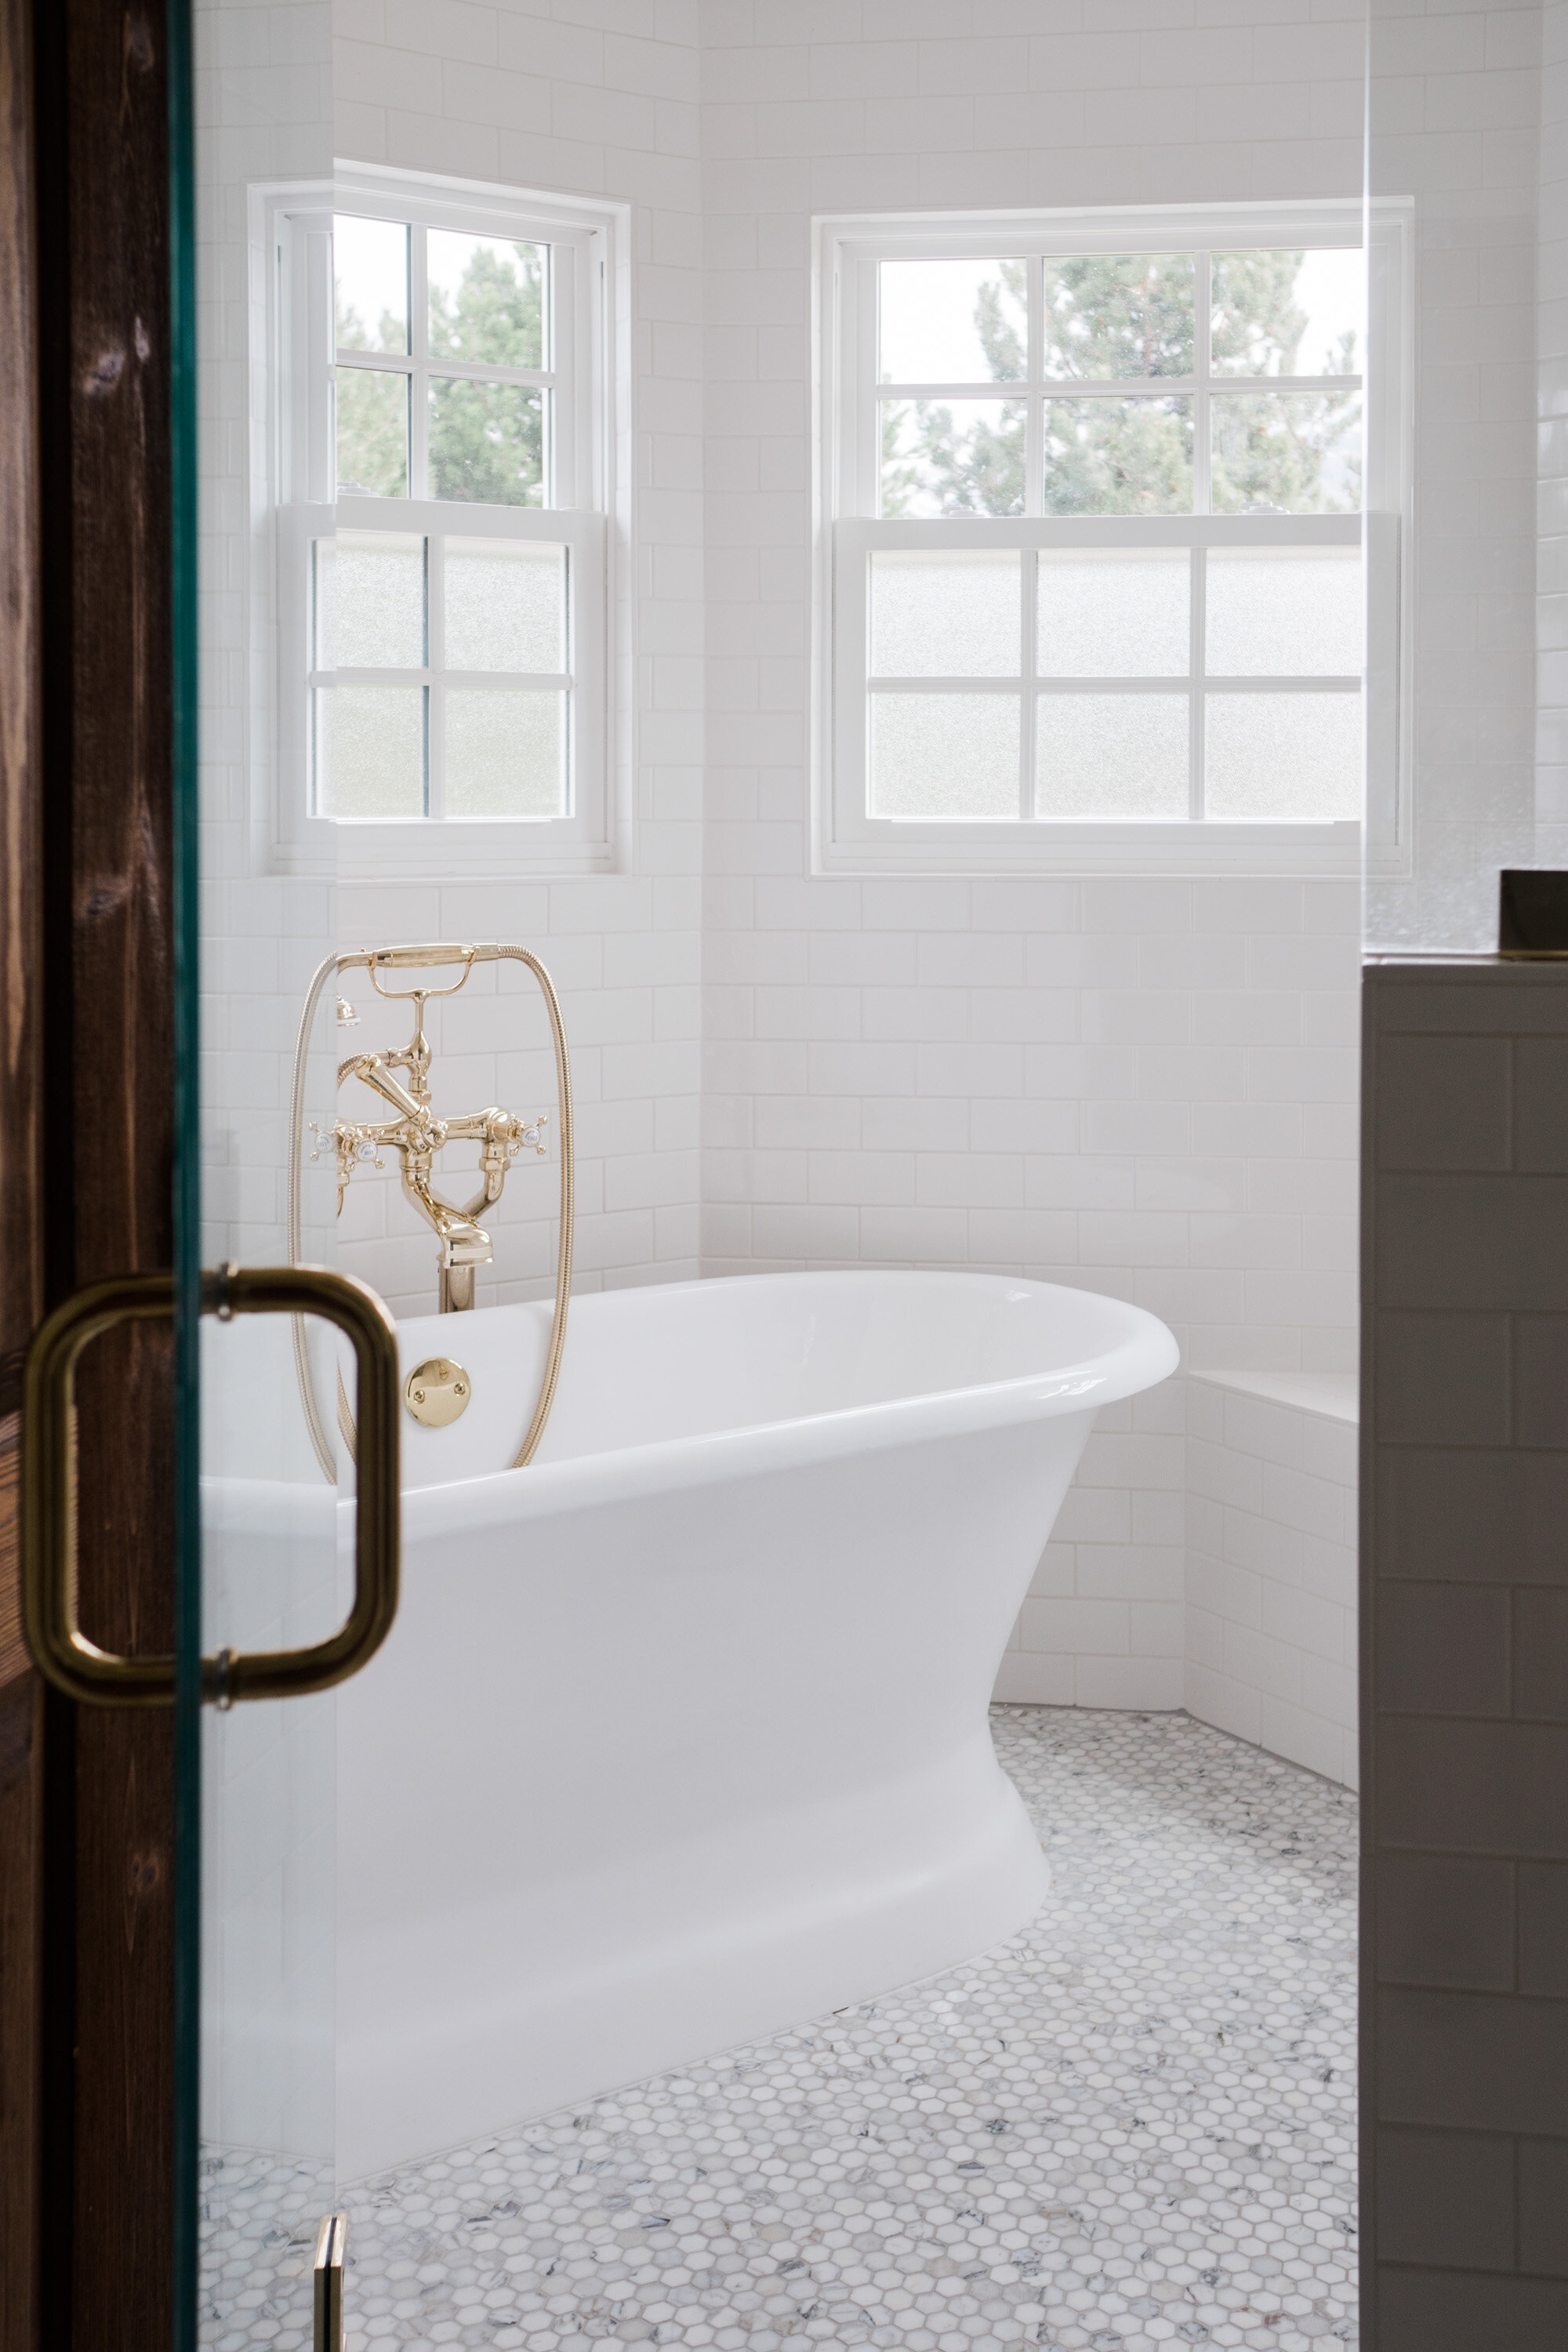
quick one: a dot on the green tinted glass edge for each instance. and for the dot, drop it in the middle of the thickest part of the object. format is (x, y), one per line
(187, 1168)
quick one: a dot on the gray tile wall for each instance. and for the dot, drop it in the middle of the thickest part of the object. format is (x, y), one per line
(1465, 1657)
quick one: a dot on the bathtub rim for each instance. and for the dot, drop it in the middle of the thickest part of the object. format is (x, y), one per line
(1141, 1354)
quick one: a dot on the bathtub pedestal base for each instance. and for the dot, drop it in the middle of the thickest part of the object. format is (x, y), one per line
(681, 1742)
(861, 1900)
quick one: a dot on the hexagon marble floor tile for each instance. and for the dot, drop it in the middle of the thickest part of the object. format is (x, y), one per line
(1131, 2125)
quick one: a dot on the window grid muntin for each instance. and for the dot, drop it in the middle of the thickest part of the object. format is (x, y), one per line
(419, 366)
(1036, 387)
(1033, 389)
(437, 678)
(1196, 683)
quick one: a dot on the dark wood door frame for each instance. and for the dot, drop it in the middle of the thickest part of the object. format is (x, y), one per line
(86, 1150)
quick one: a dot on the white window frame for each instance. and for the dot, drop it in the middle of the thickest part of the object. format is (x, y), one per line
(846, 838)
(294, 358)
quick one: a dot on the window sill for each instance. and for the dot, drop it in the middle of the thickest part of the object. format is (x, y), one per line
(1198, 850)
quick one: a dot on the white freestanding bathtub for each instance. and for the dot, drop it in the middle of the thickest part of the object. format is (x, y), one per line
(680, 1735)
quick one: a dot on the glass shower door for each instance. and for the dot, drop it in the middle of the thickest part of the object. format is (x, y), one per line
(272, 1559)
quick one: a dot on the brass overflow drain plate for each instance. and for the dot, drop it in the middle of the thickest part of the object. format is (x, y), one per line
(436, 1391)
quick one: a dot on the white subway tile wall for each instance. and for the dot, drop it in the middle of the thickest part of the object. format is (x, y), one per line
(1145, 1087)
(1551, 410)
(1455, 108)
(1271, 1594)
(596, 100)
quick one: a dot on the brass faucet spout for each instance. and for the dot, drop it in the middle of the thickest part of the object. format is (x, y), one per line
(417, 1135)
(372, 1071)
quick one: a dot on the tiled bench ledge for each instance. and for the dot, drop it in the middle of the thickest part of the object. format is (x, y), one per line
(1271, 1562)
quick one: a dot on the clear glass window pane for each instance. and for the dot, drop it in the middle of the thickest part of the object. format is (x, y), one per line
(1287, 313)
(953, 457)
(944, 755)
(1285, 613)
(1111, 755)
(506, 605)
(1286, 453)
(506, 752)
(369, 273)
(1110, 457)
(1102, 614)
(951, 321)
(370, 751)
(1115, 315)
(372, 433)
(487, 442)
(486, 299)
(369, 601)
(1283, 757)
(940, 615)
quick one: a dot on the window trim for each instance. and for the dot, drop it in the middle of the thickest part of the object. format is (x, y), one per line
(290, 309)
(844, 838)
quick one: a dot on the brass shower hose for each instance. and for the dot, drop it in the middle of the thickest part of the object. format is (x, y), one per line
(365, 959)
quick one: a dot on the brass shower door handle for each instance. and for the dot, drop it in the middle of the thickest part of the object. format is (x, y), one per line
(55, 1642)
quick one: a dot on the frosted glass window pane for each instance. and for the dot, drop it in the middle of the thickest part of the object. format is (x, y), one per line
(942, 616)
(1285, 613)
(370, 751)
(1118, 457)
(1115, 315)
(1289, 758)
(1287, 313)
(487, 442)
(951, 321)
(1286, 452)
(372, 433)
(506, 754)
(486, 299)
(369, 269)
(952, 456)
(506, 605)
(944, 755)
(370, 602)
(1106, 615)
(1111, 755)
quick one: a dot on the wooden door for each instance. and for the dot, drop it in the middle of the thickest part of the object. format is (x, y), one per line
(86, 1147)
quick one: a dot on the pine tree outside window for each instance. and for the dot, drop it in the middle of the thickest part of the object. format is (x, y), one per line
(446, 472)
(1090, 515)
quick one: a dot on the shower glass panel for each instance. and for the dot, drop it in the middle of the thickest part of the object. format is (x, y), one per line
(276, 595)
(1465, 770)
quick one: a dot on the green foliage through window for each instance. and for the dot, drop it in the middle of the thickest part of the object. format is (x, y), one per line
(1131, 318)
(487, 440)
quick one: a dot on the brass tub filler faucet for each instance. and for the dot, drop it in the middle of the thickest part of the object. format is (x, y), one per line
(417, 1135)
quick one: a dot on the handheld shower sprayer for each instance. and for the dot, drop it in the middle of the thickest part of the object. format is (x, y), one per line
(417, 1135)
